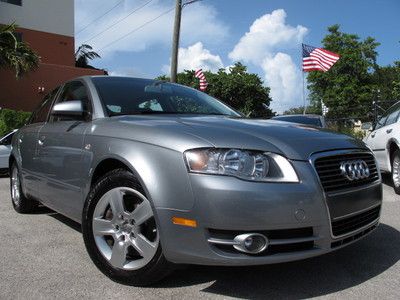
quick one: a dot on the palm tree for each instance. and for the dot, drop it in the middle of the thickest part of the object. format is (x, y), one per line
(83, 55)
(15, 54)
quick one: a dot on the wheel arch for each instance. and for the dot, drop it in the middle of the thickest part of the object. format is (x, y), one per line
(112, 162)
(392, 145)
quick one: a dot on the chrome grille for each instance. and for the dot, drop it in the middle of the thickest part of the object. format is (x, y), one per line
(330, 174)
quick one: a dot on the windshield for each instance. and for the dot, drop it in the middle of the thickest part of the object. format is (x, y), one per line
(301, 120)
(126, 96)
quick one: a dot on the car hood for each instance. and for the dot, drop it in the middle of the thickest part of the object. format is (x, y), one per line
(295, 141)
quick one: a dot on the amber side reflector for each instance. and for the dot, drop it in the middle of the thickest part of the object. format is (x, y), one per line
(184, 222)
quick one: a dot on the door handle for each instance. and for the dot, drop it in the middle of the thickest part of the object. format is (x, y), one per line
(389, 130)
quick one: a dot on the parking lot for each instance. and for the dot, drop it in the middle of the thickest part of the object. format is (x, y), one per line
(43, 256)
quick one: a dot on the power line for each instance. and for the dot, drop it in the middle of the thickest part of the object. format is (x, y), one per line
(190, 2)
(137, 28)
(90, 23)
(119, 21)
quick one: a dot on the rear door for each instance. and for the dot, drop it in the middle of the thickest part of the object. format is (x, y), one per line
(60, 151)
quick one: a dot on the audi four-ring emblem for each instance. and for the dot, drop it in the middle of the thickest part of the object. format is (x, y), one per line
(354, 169)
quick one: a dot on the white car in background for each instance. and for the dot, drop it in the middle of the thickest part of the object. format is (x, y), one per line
(384, 140)
(5, 150)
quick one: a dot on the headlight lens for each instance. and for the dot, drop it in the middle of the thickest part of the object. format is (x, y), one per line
(244, 164)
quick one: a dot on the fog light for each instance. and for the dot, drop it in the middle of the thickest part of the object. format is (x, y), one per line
(250, 243)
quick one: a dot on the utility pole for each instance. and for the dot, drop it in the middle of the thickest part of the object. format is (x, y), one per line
(175, 40)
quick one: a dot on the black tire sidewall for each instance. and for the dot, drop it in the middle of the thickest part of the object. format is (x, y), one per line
(148, 274)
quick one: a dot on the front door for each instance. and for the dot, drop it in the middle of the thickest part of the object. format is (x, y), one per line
(60, 150)
(27, 141)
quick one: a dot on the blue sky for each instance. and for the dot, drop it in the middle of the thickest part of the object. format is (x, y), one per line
(264, 34)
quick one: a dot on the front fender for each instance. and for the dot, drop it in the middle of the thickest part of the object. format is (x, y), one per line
(161, 171)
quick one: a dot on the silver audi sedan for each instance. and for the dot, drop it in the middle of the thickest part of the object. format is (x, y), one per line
(159, 174)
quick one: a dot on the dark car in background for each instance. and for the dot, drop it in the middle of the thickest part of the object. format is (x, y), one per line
(313, 120)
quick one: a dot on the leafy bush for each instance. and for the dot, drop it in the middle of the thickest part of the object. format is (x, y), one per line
(349, 130)
(12, 119)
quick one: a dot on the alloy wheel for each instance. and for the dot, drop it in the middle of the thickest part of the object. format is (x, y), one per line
(124, 228)
(396, 171)
(15, 187)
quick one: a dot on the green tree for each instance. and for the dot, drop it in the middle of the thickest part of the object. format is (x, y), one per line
(348, 88)
(83, 55)
(387, 81)
(12, 119)
(239, 89)
(312, 109)
(15, 54)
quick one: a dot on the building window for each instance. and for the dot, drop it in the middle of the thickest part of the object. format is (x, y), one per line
(15, 2)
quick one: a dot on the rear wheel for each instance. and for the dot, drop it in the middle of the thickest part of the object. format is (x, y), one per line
(20, 203)
(120, 231)
(396, 171)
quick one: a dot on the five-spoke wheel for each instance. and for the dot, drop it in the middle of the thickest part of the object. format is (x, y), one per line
(124, 228)
(120, 231)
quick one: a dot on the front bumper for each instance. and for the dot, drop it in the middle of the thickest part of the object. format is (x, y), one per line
(295, 217)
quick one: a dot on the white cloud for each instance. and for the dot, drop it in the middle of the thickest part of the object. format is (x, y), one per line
(266, 34)
(284, 79)
(262, 46)
(199, 22)
(196, 57)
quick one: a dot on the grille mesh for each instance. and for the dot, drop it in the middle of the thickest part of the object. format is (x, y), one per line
(328, 169)
(352, 223)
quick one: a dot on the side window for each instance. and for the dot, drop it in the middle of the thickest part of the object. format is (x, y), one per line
(392, 117)
(71, 91)
(389, 117)
(7, 139)
(41, 113)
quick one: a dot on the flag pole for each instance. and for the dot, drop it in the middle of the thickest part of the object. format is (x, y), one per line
(304, 94)
(304, 97)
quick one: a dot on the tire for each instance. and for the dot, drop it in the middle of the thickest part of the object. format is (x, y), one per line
(396, 171)
(21, 204)
(125, 245)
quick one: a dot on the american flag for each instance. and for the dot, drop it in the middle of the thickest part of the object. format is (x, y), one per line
(318, 59)
(203, 81)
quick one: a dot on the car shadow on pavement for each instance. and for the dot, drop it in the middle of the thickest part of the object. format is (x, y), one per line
(43, 210)
(387, 179)
(314, 277)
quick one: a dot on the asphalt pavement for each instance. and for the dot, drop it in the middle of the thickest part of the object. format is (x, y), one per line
(43, 257)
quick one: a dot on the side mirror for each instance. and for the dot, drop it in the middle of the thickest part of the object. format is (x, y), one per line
(68, 109)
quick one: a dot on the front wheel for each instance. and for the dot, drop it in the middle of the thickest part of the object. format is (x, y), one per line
(120, 231)
(396, 171)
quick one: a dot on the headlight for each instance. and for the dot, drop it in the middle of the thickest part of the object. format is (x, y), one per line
(244, 164)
